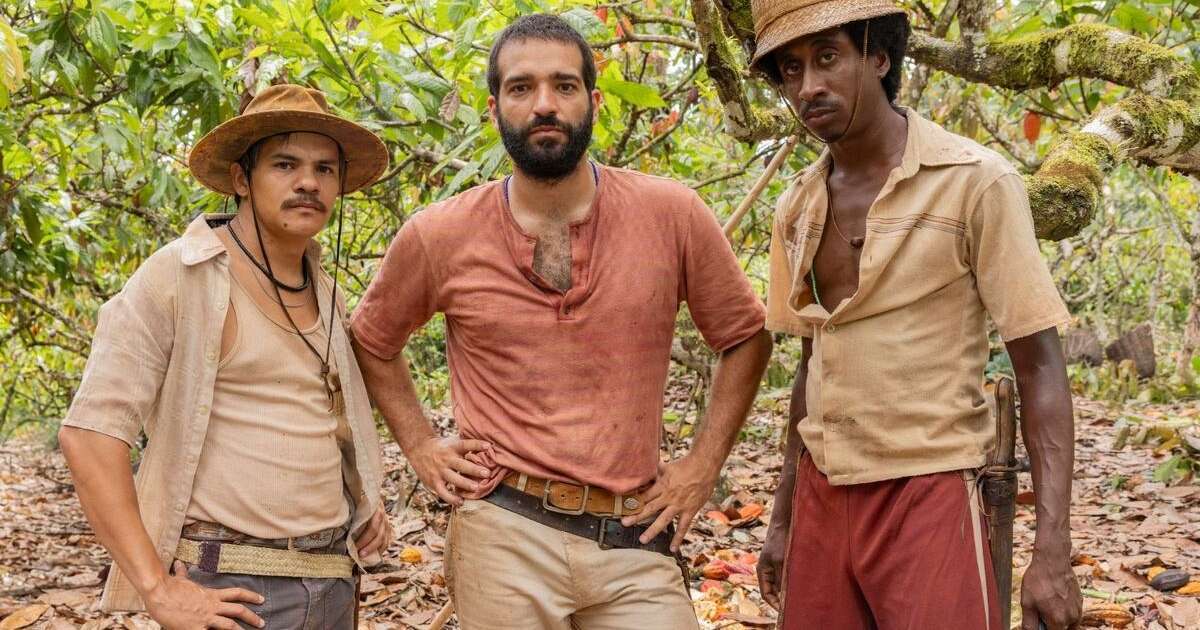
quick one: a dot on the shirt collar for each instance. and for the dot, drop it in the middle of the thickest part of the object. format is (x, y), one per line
(200, 242)
(927, 145)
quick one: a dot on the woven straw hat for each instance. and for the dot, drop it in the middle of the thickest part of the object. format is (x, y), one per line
(777, 22)
(283, 109)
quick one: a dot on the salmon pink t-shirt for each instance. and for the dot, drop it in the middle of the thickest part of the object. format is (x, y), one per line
(565, 386)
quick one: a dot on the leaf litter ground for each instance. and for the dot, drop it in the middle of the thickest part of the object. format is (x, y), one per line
(1127, 530)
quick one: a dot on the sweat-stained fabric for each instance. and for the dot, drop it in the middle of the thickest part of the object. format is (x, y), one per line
(565, 386)
(895, 384)
(153, 367)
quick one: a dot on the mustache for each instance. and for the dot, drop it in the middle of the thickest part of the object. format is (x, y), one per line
(807, 106)
(305, 200)
(546, 121)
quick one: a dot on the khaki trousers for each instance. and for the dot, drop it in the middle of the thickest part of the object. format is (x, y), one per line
(506, 572)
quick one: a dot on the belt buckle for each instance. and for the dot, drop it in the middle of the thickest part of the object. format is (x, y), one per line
(546, 505)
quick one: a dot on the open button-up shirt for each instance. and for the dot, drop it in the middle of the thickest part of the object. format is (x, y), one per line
(895, 382)
(152, 367)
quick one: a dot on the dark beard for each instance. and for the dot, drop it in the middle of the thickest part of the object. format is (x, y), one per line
(548, 161)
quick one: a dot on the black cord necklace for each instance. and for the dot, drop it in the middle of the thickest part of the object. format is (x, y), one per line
(267, 272)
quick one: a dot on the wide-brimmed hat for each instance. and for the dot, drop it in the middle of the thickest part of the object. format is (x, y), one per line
(284, 109)
(777, 22)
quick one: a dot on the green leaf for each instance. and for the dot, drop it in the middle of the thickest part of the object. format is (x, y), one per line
(586, 22)
(1031, 24)
(202, 55)
(428, 82)
(12, 70)
(630, 92)
(102, 33)
(459, 179)
(33, 223)
(37, 56)
(413, 105)
(1166, 470)
(1133, 18)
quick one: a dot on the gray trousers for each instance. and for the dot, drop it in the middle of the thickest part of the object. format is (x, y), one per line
(290, 603)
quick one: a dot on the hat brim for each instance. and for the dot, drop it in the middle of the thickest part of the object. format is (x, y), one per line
(811, 19)
(366, 156)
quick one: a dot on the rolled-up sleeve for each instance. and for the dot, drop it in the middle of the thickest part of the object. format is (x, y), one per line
(130, 352)
(719, 296)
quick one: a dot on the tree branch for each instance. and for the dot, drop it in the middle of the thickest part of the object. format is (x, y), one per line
(649, 39)
(744, 120)
(1159, 124)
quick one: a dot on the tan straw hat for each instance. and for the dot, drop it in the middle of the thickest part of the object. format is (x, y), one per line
(283, 109)
(777, 22)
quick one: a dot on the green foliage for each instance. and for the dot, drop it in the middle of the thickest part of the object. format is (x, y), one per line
(100, 101)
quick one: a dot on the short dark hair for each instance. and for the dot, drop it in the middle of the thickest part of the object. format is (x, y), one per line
(545, 27)
(888, 33)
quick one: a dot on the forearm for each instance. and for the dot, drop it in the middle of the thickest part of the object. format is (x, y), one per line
(781, 512)
(1049, 432)
(735, 383)
(104, 481)
(394, 394)
(1048, 429)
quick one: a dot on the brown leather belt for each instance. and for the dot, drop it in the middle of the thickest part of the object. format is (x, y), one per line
(570, 499)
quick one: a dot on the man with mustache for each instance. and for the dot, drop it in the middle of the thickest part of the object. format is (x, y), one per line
(887, 255)
(560, 287)
(258, 492)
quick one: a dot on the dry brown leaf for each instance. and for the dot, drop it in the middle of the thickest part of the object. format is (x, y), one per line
(24, 617)
(1106, 614)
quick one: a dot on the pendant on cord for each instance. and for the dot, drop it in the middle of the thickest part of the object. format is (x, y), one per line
(857, 242)
(333, 390)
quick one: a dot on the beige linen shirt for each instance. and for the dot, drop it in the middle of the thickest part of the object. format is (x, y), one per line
(152, 367)
(895, 382)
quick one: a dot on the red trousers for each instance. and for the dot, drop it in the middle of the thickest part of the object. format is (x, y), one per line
(899, 554)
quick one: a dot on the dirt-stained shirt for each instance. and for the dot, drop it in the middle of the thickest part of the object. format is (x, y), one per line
(153, 366)
(896, 379)
(565, 385)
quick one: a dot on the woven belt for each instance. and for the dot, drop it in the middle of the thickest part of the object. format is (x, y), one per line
(568, 498)
(605, 530)
(218, 557)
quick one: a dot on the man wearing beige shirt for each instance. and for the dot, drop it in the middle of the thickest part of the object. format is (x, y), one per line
(888, 255)
(258, 492)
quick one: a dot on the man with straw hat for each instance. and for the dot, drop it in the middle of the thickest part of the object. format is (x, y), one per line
(887, 255)
(258, 493)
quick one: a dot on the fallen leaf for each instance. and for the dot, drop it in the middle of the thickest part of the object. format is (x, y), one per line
(23, 617)
(753, 510)
(411, 555)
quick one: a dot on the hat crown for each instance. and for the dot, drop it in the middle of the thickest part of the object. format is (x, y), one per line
(287, 97)
(765, 12)
(777, 22)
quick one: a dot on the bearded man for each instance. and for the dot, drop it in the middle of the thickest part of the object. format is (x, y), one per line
(560, 286)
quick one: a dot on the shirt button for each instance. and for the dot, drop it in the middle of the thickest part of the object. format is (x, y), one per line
(220, 306)
(831, 328)
(201, 410)
(180, 507)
